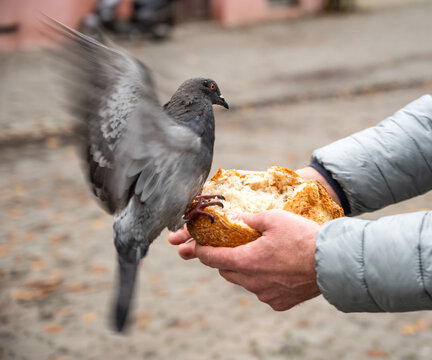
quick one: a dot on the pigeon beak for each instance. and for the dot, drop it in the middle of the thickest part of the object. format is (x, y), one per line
(222, 102)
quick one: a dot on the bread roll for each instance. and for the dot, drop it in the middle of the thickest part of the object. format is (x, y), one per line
(278, 188)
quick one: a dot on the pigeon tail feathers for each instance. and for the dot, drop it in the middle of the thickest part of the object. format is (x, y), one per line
(126, 287)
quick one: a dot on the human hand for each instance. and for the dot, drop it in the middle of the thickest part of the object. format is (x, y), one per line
(279, 267)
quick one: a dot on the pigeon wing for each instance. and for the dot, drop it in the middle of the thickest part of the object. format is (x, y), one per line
(153, 158)
(128, 142)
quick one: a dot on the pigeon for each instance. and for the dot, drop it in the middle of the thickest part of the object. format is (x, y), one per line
(145, 162)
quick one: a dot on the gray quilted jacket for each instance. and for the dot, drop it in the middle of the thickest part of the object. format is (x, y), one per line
(382, 265)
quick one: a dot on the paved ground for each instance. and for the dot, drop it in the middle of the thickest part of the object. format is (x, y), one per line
(294, 87)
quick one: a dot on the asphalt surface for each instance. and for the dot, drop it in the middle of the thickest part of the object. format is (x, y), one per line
(293, 86)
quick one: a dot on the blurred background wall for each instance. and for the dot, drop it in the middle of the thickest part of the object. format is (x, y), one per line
(19, 18)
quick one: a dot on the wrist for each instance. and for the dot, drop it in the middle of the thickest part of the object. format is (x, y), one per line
(309, 173)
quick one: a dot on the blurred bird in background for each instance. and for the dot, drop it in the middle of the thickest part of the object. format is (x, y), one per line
(145, 162)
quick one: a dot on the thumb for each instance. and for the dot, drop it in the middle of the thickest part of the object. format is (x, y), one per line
(255, 221)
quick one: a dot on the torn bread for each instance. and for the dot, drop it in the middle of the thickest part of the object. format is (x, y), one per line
(278, 188)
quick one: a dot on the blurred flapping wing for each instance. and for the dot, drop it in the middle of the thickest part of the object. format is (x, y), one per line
(129, 143)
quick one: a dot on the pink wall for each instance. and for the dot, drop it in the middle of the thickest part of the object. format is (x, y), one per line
(238, 12)
(242, 12)
(27, 14)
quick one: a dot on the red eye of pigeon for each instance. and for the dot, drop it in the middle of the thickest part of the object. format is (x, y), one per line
(213, 86)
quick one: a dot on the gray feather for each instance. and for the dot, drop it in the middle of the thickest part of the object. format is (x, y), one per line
(145, 162)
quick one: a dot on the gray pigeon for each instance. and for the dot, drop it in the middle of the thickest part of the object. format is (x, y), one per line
(145, 162)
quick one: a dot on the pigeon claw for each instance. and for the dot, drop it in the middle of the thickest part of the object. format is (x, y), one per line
(207, 197)
(201, 204)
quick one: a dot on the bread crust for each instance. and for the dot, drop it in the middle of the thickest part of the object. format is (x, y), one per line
(308, 199)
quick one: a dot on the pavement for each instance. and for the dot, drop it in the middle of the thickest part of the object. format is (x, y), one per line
(293, 86)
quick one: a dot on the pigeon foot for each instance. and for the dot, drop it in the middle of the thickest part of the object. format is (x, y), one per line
(202, 203)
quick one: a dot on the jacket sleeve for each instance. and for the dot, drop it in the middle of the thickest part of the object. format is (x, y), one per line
(386, 264)
(373, 266)
(384, 164)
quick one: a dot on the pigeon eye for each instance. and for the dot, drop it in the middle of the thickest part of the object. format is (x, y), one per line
(212, 86)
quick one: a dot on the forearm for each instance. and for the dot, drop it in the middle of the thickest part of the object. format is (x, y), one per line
(374, 266)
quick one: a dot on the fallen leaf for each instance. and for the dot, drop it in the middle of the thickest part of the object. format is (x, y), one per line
(302, 323)
(90, 317)
(56, 273)
(160, 292)
(155, 278)
(85, 236)
(97, 224)
(53, 329)
(415, 327)
(3, 251)
(11, 235)
(64, 312)
(77, 287)
(246, 109)
(58, 217)
(19, 190)
(18, 260)
(44, 203)
(38, 265)
(46, 285)
(57, 239)
(22, 295)
(54, 254)
(99, 269)
(179, 324)
(99, 286)
(202, 319)
(378, 353)
(14, 214)
(204, 279)
(5, 193)
(83, 200)
(29, 236)
(243, 301)
(143, 320)
(52, 142)
(192, 290)
(73, 219)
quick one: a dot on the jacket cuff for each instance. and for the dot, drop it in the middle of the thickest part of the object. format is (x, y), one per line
(335, 185)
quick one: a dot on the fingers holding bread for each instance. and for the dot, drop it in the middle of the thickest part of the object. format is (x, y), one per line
(254, 192)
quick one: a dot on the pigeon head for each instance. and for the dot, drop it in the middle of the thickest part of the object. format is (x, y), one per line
(211, 89)
(206, 88)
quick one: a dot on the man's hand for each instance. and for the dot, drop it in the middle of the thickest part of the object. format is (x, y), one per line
(279, 267)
